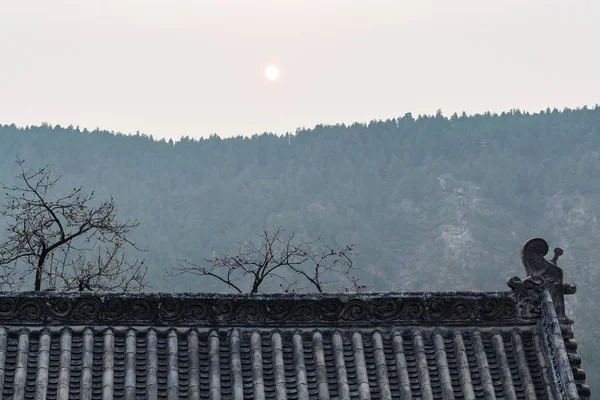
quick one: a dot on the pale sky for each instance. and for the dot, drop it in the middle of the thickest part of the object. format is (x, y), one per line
(196, 67)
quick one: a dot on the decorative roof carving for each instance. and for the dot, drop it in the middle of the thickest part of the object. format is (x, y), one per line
(243, 310)
(542, 274)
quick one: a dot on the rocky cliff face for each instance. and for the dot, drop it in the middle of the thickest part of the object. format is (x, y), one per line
(458, 233)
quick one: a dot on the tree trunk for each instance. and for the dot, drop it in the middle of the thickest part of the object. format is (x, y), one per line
(38, 273)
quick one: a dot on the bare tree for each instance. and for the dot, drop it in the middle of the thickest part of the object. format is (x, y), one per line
(284, 261)
(107, 270)
(52, 237)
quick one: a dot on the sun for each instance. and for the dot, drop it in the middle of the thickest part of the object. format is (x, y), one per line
(272, 73)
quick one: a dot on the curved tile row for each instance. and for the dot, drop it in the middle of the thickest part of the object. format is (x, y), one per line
(132, 363)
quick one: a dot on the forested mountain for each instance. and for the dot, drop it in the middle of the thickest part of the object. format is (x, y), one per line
(434, 203)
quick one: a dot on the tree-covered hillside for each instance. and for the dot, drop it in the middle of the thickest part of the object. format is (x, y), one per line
(434, 203)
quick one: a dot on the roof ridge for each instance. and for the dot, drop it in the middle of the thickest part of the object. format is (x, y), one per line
(164, 309)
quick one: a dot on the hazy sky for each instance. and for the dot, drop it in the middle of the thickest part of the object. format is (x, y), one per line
(195, 67)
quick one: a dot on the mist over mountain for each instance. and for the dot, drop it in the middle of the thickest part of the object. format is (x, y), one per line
(434, 202)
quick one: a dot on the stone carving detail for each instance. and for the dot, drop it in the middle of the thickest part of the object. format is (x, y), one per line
(214, 310)
(542, 274)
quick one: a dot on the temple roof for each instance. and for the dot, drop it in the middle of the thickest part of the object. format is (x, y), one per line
(516, 344)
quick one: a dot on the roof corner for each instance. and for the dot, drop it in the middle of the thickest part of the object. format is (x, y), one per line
(542, 275)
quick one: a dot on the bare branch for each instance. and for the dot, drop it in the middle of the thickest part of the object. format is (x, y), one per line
(186, 267)
(280, 261)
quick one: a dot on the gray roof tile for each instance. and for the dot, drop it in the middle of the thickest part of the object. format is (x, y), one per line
(383, 363)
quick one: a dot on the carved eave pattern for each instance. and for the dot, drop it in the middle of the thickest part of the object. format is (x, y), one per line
(243, 310)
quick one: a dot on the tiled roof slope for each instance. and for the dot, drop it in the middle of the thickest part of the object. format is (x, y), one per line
(502, 345)
(234, 363)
